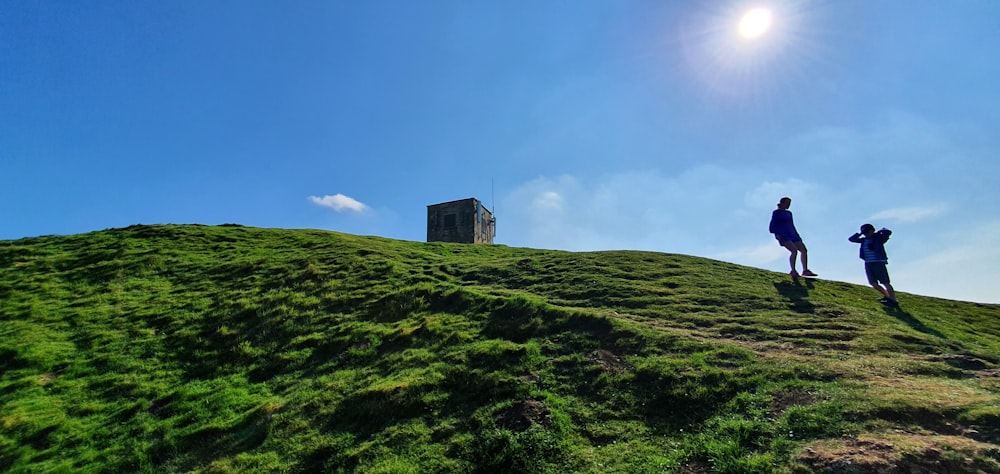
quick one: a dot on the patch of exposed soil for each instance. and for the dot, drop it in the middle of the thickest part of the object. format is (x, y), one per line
(530, 377)
(361, 346)
(910, 454)
(521, 415)
(853, 456)
(609, 361)
(781, 401)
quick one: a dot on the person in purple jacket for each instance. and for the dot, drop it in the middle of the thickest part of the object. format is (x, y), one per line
(783, 229)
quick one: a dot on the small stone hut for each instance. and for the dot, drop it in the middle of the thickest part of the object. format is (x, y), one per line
(465, 221)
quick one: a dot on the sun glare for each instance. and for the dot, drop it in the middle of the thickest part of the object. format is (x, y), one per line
(755, 23)
(752, 52)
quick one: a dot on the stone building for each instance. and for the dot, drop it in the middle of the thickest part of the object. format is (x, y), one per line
(466, 221)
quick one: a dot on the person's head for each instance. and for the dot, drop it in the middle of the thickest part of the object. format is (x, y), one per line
(784, 203)
(868, 229)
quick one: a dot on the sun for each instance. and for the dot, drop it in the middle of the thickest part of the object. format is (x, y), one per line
(755, 23)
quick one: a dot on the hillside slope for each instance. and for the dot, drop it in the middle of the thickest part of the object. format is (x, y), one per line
(233, 349)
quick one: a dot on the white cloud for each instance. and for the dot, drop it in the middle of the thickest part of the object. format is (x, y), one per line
(632, 210)
(910, 214)
(548, 201)
(339, 203)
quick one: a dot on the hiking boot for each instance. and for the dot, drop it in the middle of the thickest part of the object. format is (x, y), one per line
(809, 273)
(794, 274)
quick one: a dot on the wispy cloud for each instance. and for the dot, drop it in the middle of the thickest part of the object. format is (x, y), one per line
(910, 214)
(339, 203)
(703, 206)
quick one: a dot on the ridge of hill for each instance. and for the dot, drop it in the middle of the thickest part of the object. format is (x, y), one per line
(188, 348)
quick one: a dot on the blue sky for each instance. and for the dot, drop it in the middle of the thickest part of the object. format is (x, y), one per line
(587, 125)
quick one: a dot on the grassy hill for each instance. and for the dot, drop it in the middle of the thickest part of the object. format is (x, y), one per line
(233, 349)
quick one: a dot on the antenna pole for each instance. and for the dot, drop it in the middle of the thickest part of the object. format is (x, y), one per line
(493, 212)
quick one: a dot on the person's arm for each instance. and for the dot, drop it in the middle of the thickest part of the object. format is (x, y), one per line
(883, 234)
(856, 238)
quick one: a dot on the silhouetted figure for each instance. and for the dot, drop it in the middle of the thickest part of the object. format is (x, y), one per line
(873, 253)
(783, 229)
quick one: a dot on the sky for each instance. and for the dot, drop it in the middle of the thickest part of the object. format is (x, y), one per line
(585, 125)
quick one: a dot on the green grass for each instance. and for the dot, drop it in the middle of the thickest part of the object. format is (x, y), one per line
(231, 349)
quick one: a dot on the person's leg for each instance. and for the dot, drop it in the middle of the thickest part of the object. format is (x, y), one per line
(881, 290)
(871, 273)
(803, 257)
(794, 249)
(877, 274)
(799, 248)
(884, 279)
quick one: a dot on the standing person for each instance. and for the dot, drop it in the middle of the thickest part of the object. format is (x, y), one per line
(784, 230)
(873, 253)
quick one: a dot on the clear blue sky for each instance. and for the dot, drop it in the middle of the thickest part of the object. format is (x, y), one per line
(588, 125)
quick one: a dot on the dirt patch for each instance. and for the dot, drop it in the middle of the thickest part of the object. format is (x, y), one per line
(531, 377)
(852, 456)
(521, 415)
(46, 378)
(781, 401)
(361, 346)
(609, 361)
(898, 454)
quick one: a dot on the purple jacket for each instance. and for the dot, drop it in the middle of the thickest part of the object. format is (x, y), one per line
(782, 225)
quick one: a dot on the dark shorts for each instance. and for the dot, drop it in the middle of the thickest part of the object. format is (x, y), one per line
(877, 272)
(782, 238)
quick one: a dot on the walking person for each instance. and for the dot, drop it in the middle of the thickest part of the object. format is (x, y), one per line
(873, 253)
(783, 229)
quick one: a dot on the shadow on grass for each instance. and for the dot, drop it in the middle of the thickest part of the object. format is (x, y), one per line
(912, 322)
(212, 442)
(797, 294)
